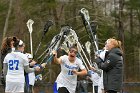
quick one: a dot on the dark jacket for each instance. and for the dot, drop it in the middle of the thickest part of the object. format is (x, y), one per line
(112, 69)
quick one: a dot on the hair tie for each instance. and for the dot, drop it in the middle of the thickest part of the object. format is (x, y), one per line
(14, 38)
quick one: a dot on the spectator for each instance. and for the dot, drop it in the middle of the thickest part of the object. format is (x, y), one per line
(112, 66)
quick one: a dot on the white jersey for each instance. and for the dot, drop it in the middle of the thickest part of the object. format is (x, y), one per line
(16, 62)
(66, 78)
(94, 78)
(31, 78)
(100, 84)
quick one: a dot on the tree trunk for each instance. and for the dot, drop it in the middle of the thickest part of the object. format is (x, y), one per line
(121, 31)
(7, 19)
(115, 11)
(138, 14)
(19, 20)
(120, 28)
(131, 22)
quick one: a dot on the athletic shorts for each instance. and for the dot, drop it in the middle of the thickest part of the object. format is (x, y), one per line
(14, 87)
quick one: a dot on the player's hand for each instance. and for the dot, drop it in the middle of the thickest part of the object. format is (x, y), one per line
(32, 63)
(37, 68)
(92, 68)
(43, 65)
(74, 71)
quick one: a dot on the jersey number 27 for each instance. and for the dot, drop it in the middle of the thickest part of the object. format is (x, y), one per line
(13, 64)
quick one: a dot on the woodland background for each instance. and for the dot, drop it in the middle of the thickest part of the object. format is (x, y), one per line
(115, 18)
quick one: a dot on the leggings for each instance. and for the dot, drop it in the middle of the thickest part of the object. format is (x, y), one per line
(63, 90)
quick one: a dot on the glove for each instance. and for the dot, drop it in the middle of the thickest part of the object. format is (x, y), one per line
(89, 73)
(38, 65)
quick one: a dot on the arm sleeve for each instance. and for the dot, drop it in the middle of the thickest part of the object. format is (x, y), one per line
(5, 67)
(28, 69)
(26, 62)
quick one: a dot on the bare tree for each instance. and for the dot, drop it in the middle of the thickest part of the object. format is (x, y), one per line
(7, 18)
(120, 28)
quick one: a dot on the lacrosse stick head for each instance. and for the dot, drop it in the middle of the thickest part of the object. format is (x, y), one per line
(85, 14)
(69, 41)
(87, 45)
(72, 39)
(65, 29)
(48, 24)
(65, 47)
(29, 25)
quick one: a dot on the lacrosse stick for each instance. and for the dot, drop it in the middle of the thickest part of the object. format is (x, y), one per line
(30, 28)
(53, 42)
(50, 48)
(64, 31)
(56, 44)
(71, 39)
(80, 46)
(85, 17)
(46, 28)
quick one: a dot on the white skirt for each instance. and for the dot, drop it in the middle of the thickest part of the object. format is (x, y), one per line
(31, 78)
(14, 87)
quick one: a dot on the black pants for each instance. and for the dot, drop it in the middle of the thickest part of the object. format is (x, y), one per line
(63, 90)
(96, 89)
(111, 91)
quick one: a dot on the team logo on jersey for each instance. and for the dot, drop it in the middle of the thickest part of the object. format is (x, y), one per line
(108, 61)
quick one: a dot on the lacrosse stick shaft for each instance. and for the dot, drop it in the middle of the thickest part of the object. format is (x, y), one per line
(49, 51)
(46, 29)
(37, 48)
(94, 39)
(43, 52)
(30, 28)
(83, 53)
(83, 61)
(31, 44)
(55, 47)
